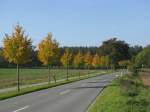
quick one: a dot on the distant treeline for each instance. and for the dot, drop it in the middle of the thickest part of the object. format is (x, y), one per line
(118, 52)
(113, 53)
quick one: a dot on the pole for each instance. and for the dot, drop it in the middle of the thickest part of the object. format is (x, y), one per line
(18, 78)
(88, 70)
(79, 73)
(49, 77)
(67, 69)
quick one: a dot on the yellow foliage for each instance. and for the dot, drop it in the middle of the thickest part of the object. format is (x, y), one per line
(107, 61)
(124, 63)
(17, 47)
(103, 61)
(48, 50)
(66, 58)
(88, 59)
(96, 61)
(78, 60)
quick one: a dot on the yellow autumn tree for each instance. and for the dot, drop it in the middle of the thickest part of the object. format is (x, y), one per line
(66, 60)
(103, 61)
(96, 61)
(107, 61)
(88, 60)
(1, 52)
(17, 49)
(48, 51)
(78, 61)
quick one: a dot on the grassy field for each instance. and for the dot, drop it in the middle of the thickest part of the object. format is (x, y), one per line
(8, 77)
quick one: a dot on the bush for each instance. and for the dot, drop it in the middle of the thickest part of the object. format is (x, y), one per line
(130, 85)
(138, 95)
(142, 59)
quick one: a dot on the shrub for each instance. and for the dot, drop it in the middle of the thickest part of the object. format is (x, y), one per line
(138, 95)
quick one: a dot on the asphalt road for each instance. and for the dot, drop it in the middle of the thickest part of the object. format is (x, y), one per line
(74, 97)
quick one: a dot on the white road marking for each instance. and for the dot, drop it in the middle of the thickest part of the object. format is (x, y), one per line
(21, 109)
(64, 92)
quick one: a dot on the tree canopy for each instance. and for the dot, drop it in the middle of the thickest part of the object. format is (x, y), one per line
(66, 58)
(111, 53)
(78, 60)
(143, 58)
(17, 47)
(88, 59)
(48, 50)
(96, 61)
(117, 50)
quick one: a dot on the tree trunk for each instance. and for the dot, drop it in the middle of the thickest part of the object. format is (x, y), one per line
(49, 74)
(107, 68)
(18, 78)
(67, 72)
(54, 78)
(88, 71)
(79, 73)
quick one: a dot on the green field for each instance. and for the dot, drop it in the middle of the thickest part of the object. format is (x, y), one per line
(8, 77)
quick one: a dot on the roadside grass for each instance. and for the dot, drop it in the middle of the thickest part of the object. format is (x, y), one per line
(110, 100)
(8, 77)
(123, 95)
(6, 95)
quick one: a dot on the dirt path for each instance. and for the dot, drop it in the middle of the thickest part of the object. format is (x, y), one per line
(145, 76)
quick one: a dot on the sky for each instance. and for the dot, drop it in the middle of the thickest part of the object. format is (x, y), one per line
(78, 22)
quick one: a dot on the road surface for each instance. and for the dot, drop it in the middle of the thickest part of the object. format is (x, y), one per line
(73, 97)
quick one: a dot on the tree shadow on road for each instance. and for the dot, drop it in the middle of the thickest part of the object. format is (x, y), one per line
(87, 87)
(98, 82)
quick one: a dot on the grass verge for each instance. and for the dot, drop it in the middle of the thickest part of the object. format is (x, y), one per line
(110, 100)
(8, 77)
(125, 95)
(10, 94)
